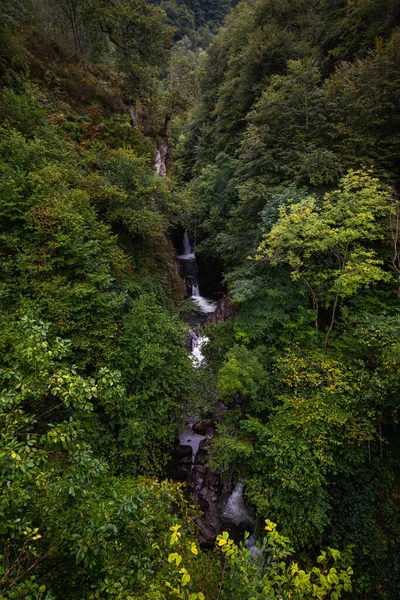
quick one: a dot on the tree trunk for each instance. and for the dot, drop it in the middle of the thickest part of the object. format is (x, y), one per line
(380, 439)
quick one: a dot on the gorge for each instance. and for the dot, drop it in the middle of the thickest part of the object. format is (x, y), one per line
(221, 501)
(199, 312)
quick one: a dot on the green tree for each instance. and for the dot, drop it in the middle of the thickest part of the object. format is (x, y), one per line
(140, 35)
(284, 140)
(156, 371)
(363, 104)
(243, 578)
(337, 236)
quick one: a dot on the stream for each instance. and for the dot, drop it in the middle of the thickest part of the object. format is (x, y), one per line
(222, 505)
(204, 306)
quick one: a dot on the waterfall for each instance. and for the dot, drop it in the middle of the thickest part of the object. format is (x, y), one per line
(161, 157)
(204, 305)
(205, 484)
(187, 248)
(197, 344)
(189, 264)
(188, 252)
(236, 513)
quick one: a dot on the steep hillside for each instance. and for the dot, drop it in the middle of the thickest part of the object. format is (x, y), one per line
(292, 153)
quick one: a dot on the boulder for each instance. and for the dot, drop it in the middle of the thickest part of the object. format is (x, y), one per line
(183, 452)
(205, 427)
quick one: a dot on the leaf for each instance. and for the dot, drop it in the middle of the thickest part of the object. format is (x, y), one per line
(335, 553)
(193, 548)
(185, 579)
(174, 556)
(221, 542)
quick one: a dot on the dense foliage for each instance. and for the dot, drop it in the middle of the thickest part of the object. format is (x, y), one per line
(292, 153)
(93, 366)
(281, 150)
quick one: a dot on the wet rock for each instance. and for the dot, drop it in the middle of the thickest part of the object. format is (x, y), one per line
(220, 411)
(214, 482)
(207, 533)
(205, 427)
(202, 454)
(206, 492)
(183, 452)
(191, 338)
(180, 464)
(201, 458)
(225, 310)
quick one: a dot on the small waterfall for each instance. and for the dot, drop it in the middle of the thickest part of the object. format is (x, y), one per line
(237, 514)
(204, 305)
(161, 157)
(188, 252)
(189, 264)
(197, 344)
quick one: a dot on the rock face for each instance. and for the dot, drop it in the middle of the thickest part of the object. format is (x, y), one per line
(160, 160)
(206, 486)
(205, 427)
(190, 340)
(225, 310)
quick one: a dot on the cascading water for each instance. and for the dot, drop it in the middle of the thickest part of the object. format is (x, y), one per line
(187, 437)
(188, 260)
(160, 161)
(187, 248)
(237, 514)
(198, 341)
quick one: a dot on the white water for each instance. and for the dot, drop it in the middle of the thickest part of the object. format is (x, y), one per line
(187, 437)
(188, 252)
(198, 342)
(236, 513)
(205, 305)
(161, 156)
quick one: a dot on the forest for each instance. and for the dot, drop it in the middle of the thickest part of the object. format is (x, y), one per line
(199, 299)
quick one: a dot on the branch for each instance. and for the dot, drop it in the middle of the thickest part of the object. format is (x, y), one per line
(335, 304)
(313, 295)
